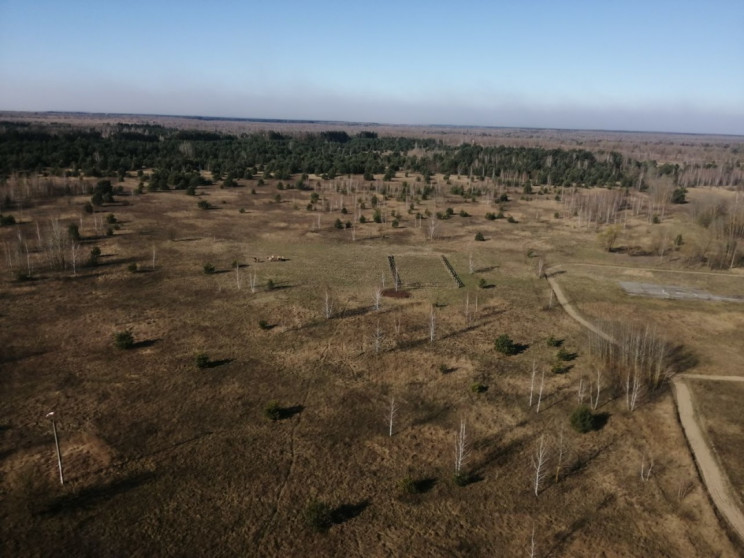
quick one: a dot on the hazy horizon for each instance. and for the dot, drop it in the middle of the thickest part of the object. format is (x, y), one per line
(641, 66)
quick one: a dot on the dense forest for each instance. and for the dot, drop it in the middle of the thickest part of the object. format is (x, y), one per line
(178, 158)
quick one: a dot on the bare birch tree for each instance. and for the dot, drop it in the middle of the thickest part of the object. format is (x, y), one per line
(253, 281)
(378, 337)
(392, 412)
(532, 381)
(540, 393)
(432, 325)
(328, 305)
(595, 400)
(539, 459)
(561, 449)
(378, 297)
(462, 449)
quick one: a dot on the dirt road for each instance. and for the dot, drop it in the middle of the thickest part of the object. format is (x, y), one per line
(714, 478)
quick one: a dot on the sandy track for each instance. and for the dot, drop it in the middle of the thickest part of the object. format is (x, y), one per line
(715, 480)
(712, 378)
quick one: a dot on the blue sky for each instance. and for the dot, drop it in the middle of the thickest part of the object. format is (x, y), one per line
(632, 65)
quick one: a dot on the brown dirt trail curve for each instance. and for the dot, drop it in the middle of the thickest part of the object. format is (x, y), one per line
(714, 479)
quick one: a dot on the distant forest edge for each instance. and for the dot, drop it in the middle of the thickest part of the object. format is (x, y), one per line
(178, 157)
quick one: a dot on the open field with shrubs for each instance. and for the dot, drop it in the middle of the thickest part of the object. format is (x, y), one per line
(233, 374)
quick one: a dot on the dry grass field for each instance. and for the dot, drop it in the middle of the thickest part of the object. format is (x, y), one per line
(162, 457)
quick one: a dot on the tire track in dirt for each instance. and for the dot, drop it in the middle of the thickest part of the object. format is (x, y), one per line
(714, 479)
(266, 529)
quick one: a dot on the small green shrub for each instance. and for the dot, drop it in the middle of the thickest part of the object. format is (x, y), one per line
(462, 478)
(273, 410)
(110, 231)
(505, 345)
(338, 224)
(132, 267)
(554, 342)
(479, 237)
(318, 516)
(560, 368)
(477, 387)
(511, 219)
(95, 253)
(270, 285)
(582, 419)
(202, 360)
(263, 324)
(464, 213)
(564, 355)
(208, 268)
(491, 216)
(408, 485)
(73, 232)
(482, 283)
(124, 339)
(110, 219)
(88, 207)
(203, 204)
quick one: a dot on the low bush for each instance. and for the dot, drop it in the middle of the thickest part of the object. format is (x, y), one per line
(408, 485)
(462, 478)
(553, 342)
(124, 339)
(582, 419)
(273, 411)
(477, 387)
(202, 360)
(505, 345)
(479, 237)
(208, 268)
(318, 516)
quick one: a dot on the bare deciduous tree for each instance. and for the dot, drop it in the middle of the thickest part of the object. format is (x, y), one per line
(253, 281)
(378, 336)
(532, 381)
(595, 400)
(432, 325)
(378, 297)
(561, 449)
(74, 248)
(539, 459)
(392, 412)
(432, 227)
(540, 393)
(328, 304)
(646, 467)
(462, 450)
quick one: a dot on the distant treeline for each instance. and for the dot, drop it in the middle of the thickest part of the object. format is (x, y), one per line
(124, 148)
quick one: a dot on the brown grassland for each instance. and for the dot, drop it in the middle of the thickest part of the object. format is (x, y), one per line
(162, 457)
